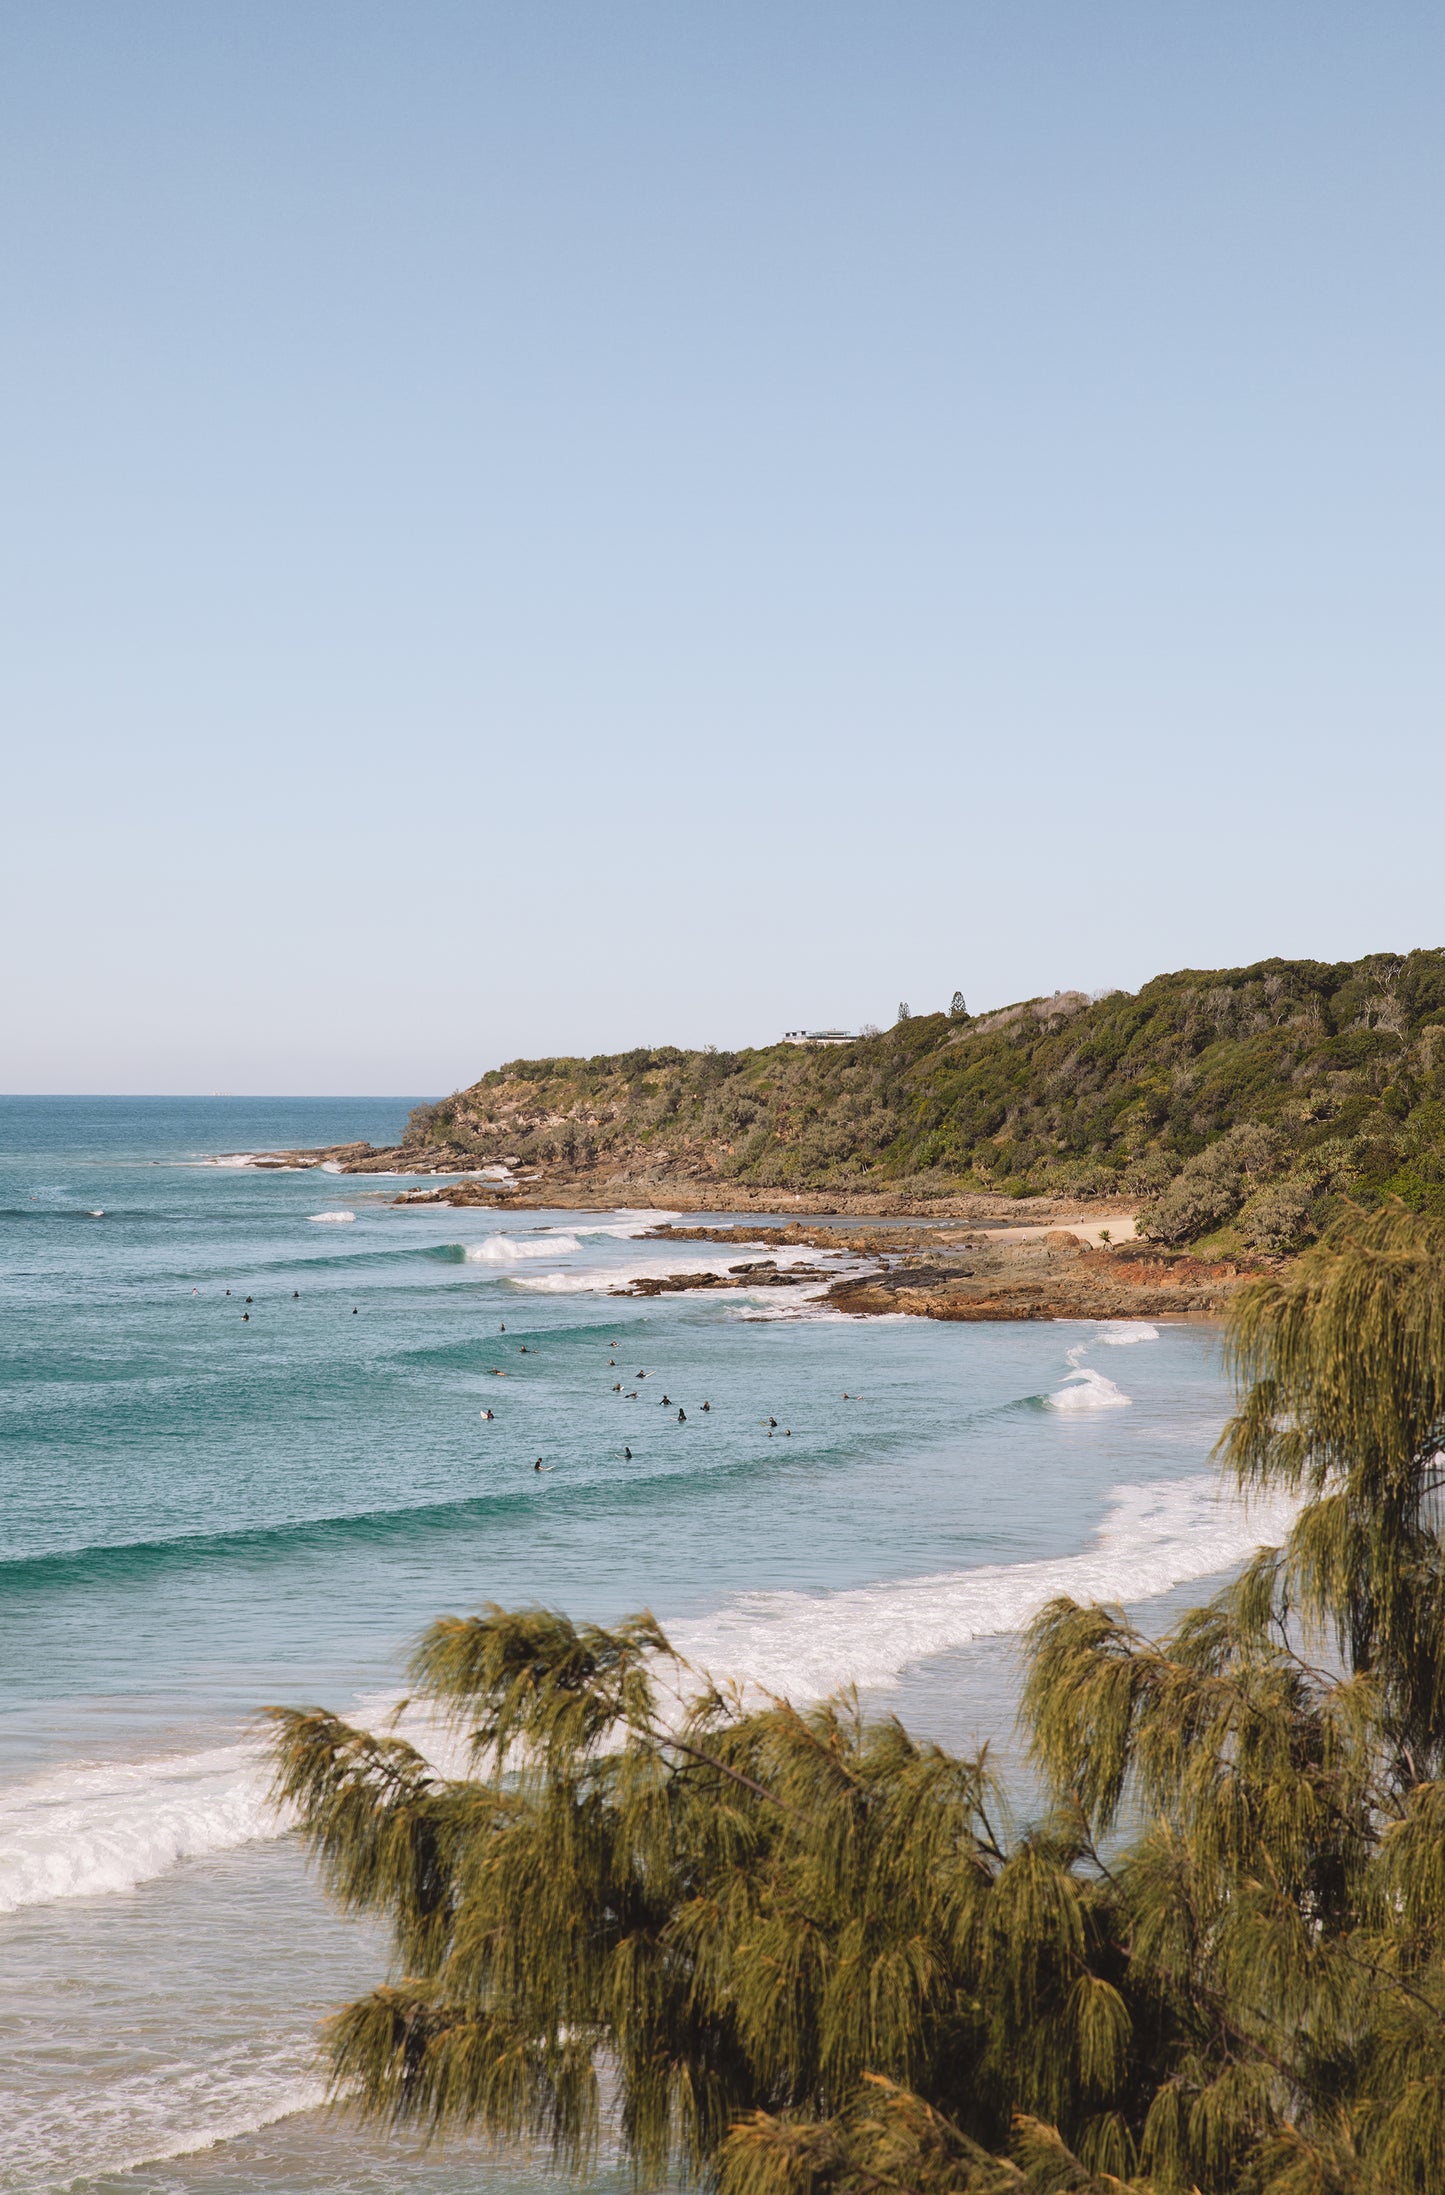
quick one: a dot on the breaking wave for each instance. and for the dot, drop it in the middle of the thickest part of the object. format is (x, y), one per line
(77, 1832)
(332, 1219)
(1155, 1536)
(513, 1249)
(96, 1828)
(1086, 1389)
(90, 1829)
(1089, 1390)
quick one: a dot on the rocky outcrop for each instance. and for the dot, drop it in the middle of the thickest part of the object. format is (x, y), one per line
(1047, 1281)
(971, 1274)
(346, 1156)
(761, 1273)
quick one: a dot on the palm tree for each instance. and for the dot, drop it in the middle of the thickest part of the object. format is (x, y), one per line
(804, 1953)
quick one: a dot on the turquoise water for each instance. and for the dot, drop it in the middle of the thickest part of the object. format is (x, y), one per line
(203, 1513)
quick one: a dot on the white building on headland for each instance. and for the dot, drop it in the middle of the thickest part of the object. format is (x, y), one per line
(818, 1036)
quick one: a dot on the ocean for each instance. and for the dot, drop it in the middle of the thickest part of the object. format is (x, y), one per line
(244, 1461)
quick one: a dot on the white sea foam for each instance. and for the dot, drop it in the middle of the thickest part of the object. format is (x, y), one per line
(769, 1306)
(1118, 1333)
(1155, 1536)
(330, 1166)
(77, 1832)
(86, 1830)
(333, 1219)
(513, 1249)
(1086, 1389)
(162, 2095)
(99, 1827)
(629, 1225)
(170, 2110)
(1089, 1390)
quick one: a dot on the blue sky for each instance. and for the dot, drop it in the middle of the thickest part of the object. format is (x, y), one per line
(549, 527)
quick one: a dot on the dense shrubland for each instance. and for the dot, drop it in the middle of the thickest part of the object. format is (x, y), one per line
(807, 1954)
(1247, 1100)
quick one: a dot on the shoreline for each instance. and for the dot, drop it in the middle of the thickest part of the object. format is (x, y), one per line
(969, 1258)
(998, 1276)
(561, 1190)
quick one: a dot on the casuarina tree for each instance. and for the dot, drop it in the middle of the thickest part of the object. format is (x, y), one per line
(797, 1952)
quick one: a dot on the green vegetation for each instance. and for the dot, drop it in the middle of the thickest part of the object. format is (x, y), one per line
(1245, 1100)
(804, 1954)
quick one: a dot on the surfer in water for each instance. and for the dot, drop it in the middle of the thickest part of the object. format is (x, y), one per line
(682, 1417)
(627, 1452)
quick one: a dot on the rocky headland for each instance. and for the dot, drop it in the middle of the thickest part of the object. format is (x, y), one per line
(1229, 1116)
(1237, 1111)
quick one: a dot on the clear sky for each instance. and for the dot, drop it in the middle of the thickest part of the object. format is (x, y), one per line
(543, 528)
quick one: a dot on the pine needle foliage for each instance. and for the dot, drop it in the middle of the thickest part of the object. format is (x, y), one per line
(804, 1953)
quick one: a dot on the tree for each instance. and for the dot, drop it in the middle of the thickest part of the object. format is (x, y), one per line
(807, 1954)
(957, 1011)
(905, 1011)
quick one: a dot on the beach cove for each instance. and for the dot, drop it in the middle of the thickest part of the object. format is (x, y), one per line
(213, 1503)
